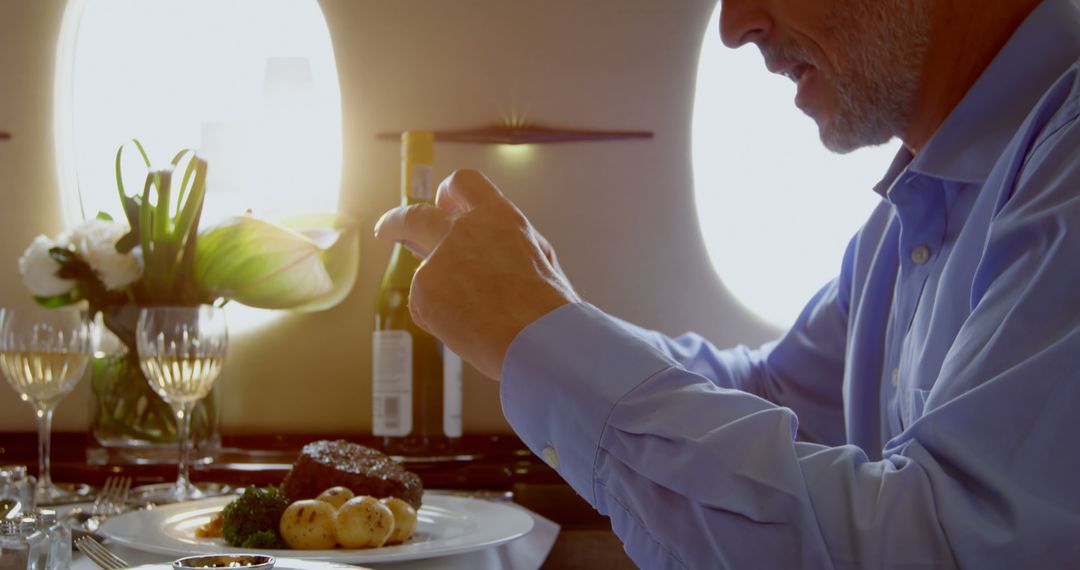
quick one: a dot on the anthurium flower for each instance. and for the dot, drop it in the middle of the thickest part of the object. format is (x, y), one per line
(339, 238)
(261, 264)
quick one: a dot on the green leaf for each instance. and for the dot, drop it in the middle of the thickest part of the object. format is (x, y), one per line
(179, 156)
(119, 177)
(194, 293)
(186, 222)
(128, 242)
(133, 211)
(142, 152)
(187, 228)
(166, 244)
(57, 301)
(131, 208)
(104, 216)
(187, 175)
(145, 234)
(163, 185)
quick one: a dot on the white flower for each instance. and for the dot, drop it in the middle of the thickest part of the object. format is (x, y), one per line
(38, 270)
(94, 241)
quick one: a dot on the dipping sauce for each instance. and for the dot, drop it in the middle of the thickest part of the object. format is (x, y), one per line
(259, 561)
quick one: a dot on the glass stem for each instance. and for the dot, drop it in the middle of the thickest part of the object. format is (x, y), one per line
(183, 429)
(44, 429)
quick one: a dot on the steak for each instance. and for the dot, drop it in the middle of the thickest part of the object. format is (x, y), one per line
(365, 471)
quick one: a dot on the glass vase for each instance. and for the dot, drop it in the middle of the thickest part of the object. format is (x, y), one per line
(131, 424)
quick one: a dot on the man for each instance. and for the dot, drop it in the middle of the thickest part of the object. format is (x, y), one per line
(920, 413)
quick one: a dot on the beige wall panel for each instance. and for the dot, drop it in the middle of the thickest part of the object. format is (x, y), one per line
(621, 214)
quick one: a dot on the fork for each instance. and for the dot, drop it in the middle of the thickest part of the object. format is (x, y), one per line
(112, 500)
(99, 555)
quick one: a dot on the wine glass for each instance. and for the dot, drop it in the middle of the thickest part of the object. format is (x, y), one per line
(181, 352)
(44, 353)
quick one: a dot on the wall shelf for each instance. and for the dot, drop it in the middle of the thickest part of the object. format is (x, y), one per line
(525, 134)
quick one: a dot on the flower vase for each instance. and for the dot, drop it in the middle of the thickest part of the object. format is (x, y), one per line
(131, 424)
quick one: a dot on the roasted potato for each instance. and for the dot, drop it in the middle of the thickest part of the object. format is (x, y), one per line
(336, 496)
(308, 525)
(363, 522)
(404, 519)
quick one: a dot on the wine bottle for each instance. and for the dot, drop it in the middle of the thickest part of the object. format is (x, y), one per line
(416, 381)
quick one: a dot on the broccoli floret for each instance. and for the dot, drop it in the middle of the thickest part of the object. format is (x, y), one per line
(264, 539)
(251, 521)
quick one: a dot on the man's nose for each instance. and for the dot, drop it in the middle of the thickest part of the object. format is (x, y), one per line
(743, 21)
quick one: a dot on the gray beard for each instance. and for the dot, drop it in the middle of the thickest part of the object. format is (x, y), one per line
(878, 78)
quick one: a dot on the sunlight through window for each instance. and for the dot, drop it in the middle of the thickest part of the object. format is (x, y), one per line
(251, 84)
(776, 209)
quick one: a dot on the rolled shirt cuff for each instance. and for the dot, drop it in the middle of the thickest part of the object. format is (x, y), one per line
(562, 377)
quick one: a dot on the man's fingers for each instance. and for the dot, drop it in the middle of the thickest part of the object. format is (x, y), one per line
(418, 227)
(421, 227)
(464, 190)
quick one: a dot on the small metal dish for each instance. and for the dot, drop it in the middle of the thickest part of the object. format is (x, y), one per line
(250, 561)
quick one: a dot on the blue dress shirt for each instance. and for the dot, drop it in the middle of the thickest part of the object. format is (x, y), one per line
(921, 413)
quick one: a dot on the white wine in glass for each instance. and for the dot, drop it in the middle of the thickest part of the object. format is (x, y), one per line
(181, 352)
(43, 377)
(43, 354)
(182, 378)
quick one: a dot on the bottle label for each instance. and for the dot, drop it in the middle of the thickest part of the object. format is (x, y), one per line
(420, 187)
(391, 383)
(451, 393)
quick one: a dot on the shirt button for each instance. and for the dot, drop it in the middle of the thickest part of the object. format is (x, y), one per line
(920, 255)
(895, 378)
(550, 457)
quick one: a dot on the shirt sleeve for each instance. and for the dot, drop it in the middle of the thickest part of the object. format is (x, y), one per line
(695, 474)
(802, 371)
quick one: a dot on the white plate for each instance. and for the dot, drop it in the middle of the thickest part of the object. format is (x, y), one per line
(282, 564)
(445, 525)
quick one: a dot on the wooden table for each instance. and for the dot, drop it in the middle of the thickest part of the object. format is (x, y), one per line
(501, 464)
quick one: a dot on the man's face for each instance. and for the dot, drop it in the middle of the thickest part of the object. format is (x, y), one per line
(857, 63)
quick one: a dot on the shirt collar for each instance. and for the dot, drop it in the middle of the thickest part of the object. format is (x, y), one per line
(899, 164)
(968, 144)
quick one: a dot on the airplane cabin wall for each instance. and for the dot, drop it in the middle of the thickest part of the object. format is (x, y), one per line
(620, 214)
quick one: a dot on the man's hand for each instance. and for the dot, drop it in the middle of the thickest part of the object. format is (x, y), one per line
(487, 272)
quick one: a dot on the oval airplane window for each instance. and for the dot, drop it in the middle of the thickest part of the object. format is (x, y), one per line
(775, 208)
(251, 84)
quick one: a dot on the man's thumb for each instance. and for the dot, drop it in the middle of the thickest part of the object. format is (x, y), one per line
(464, 190)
